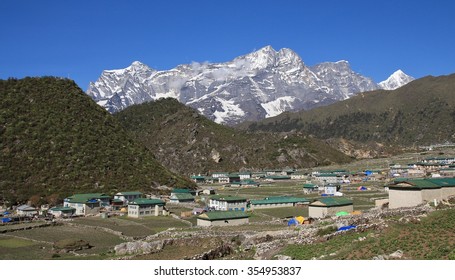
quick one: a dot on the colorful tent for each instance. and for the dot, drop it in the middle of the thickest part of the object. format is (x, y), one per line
(341, 213)
(293, 222)
(346, 228)
(356, 212)
(300, 219)
(361, 188)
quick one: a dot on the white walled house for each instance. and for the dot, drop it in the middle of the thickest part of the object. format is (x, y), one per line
(60, 212)
(88, 203)
(143, 207)
(222, 218)
(26, 211)
(245, 175)
(329, 206)
(227, 203)
(412, 192)
(126, 197)
(325, 178)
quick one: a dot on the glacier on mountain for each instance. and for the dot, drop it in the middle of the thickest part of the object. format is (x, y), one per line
(251, 87)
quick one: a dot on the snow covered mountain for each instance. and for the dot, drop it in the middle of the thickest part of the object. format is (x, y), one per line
(258, 85)
(396, 80)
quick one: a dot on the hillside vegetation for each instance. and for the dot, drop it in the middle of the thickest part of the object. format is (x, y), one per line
(56, 141)
(421, 112)
(187, 142)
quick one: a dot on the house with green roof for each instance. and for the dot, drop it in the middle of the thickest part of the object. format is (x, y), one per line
(220, 174)
(126, 197)
(412, 192)
(60, 212)
(87, 203)
(246, 183)
(186, 191)
(277, 201)
(329, 206)
(222, 218)
(277, 177)
(197, 178)
(227, 203)
(143, 207)
(309, 188)
(181, 198)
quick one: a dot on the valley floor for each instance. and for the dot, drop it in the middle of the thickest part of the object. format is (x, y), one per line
(418, 233)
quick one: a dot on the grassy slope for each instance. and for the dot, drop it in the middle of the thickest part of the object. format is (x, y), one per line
(56, 140)
(186, 141)
(430, 239)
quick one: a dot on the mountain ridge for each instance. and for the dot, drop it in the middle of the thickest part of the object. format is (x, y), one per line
(250, 87)
(186, 142)
(387, 117)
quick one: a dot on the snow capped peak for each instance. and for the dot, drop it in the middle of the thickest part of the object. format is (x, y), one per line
(137, 63)
(398, 73)
(288, 54)
(345, 62)
(261, 58)
(267, 49)
(138, 66)
(254, 86)
(396, 80)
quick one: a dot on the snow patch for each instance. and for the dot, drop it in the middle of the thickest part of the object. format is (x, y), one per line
(278, 106)
(229, 109)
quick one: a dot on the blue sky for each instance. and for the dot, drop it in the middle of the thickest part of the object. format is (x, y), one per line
(79, 39)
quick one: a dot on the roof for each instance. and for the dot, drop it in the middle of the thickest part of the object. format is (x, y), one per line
(181, 191)
(280, 200)
(419, 184)
(309, 186)
(327, 175)
(227, 198)
(331, 202)
(443, 182)
(182, 196)
(278, 177)
(25, 207)
(86, 197)
(223, 215)
(197, 177)
(146, 201)
(245, 182)
(63, 209)
(128, 193)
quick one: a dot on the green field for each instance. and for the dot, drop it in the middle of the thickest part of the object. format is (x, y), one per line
(14, 248)
(102, 241)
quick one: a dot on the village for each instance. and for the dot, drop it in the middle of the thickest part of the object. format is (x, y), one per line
(246, 200)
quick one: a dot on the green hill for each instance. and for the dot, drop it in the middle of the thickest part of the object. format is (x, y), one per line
(56, 141)
(419, 113)
(187, 142)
